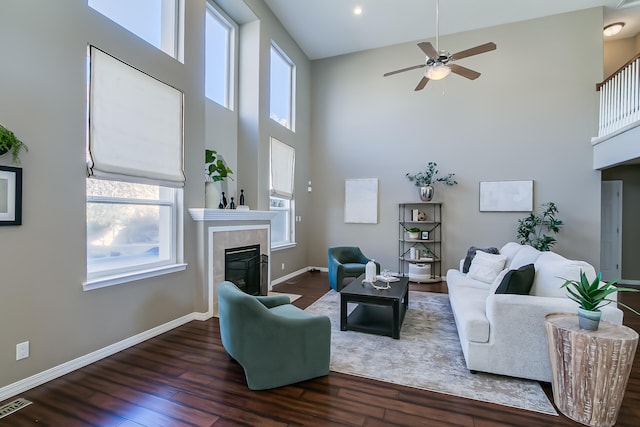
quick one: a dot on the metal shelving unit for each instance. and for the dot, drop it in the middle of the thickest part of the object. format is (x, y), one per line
(420, 259)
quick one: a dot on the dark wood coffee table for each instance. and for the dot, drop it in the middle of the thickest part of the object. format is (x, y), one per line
(379, 312)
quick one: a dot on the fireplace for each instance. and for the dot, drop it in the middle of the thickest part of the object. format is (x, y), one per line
(245, 267)
(220, 229)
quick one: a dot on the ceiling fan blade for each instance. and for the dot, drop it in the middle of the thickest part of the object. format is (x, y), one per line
(464, 72)
(428, 49)
(474, 51)
(421, 84)
(390, 73)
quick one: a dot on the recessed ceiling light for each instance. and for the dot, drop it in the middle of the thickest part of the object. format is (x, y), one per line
(357, 10)
(612, 29)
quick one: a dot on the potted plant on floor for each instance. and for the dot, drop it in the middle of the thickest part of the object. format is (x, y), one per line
(10, 143)
(531, 229)
(591, 297)
(425, 180)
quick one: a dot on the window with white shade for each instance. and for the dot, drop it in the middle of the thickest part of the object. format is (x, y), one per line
(282, 88)
(220, 39)
(135, 169)
(158, 22)
(282, 174)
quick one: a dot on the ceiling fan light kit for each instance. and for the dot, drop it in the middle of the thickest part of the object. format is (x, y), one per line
(437, 72)
(439, 63)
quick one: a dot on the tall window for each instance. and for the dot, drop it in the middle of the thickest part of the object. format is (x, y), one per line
(219, 57)
(282, 173)
(135, 164)
(156, 21)
(282, 88)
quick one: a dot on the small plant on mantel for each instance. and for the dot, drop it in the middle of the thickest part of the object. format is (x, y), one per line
(215, 168)
(9, 142)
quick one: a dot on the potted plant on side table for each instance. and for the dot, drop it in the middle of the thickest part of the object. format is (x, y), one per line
(591, 297)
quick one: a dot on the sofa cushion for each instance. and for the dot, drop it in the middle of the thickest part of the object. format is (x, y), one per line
(469, 306)
(486, 267)
(551, 272)
(517, 281)
(509, 250)
(526, 255)
(471, 253)
(455, 279)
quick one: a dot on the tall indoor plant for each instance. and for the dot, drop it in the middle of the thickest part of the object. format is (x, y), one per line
(531, 229)
(593, 296)
(426, 178)
(10, 143)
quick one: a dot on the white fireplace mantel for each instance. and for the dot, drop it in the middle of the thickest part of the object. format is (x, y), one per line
(205, 214)
(224, 228)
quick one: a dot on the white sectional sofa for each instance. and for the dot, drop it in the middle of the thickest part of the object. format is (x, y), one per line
(504, 333)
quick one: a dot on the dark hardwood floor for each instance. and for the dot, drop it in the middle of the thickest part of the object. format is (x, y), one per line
(184, 378)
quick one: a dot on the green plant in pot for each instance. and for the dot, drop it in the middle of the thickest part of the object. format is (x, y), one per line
(215, 168)
(593, 296)
(414, 233)
(216, 172)
(531, 229)
(426, 178)
(10, 143)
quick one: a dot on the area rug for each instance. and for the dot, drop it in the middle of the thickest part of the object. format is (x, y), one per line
(427, 356)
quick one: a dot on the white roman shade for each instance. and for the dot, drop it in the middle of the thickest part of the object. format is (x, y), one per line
(282, 169)
(135, 125)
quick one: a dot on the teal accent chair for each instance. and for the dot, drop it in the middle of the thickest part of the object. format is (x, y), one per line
(346, 261)
(275, 342)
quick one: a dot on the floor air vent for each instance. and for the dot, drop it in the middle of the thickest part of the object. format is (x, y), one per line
(12, 407)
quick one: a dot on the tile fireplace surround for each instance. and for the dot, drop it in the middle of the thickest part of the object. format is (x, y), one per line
(220, 229)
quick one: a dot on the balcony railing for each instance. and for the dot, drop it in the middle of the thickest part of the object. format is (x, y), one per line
(620, 98)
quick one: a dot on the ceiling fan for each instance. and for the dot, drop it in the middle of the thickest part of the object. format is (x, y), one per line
(440, 64)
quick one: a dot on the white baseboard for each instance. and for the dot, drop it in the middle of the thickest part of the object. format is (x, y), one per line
(296, 273)
(72, 365)
(629, 282)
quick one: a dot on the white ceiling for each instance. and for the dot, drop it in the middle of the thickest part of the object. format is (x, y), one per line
(325, 28)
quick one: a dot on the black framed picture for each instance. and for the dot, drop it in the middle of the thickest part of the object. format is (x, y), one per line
(10, 195)
(424, 235)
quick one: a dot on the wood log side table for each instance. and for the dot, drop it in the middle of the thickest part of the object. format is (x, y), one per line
(590, 369)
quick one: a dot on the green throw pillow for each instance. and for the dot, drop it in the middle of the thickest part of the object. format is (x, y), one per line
(517, 281)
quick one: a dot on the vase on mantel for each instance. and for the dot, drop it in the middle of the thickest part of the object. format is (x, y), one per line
(212, 194)
(426, 193)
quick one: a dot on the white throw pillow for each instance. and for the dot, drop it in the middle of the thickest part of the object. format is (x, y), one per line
(486, 267)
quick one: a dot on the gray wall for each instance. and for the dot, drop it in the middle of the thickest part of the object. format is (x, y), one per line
(521, 120)
(43, 93)
(43, 100)
(249, 128)
(630, 177)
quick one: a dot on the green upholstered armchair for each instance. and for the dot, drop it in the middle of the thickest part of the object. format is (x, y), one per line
(346, 261)
(274, 341)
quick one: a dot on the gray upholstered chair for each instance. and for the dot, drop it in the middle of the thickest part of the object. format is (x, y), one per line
(275, 342)
(346, 261)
